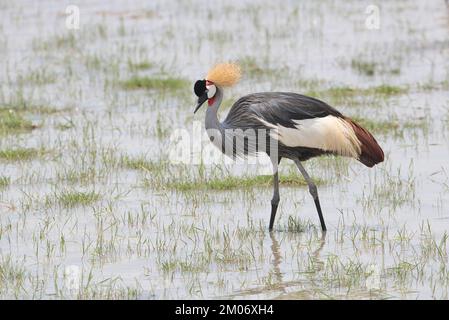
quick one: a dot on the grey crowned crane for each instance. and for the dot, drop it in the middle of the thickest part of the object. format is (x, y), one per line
(300, 127)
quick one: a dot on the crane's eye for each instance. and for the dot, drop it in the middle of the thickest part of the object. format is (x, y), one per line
(211, 90)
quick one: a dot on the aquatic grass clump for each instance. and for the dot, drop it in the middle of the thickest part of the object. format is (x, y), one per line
(4, 182)
(140, 163)
(136, 66)
(72, 175)
(370, 68)
(20, 154)
(60, 41)
(67, 125)
(387, 90)
(339, 94)
(391, 126)
(11, 122)
(70, 199)
(231, 182)
(363, 67)
(433, 85)
(37, 77)
(252, 68)
(21, 106)
(154, 83)
(46, 110)
(377, 126)
(295, 224)
(13, 275)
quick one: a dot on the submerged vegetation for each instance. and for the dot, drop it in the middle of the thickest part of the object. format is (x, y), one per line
(371, 68)
(140, 163)
(12, 122)
(20, 154)
(392, 126)
(341, 93)
(4, 182)
(72, 199)
(142, 65)
(154, 83)
(230, 182)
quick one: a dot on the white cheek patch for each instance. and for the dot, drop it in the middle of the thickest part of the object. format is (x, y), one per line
(211, 91)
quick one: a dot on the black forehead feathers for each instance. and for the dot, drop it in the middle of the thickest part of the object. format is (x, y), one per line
(200, 87)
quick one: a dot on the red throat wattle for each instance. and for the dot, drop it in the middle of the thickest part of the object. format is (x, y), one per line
(211, 100)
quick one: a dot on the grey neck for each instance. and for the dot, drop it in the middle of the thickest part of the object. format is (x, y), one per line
(211, 121)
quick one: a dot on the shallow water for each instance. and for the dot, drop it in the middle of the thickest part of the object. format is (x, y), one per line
(387, 226)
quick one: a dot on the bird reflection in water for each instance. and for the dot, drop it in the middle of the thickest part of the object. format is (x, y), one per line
(277, 260)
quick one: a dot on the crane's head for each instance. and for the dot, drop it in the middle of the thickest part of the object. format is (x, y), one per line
(205, 90)
(222, 75)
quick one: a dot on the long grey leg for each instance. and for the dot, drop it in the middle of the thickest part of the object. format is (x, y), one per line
(313, 191)
(276, 197)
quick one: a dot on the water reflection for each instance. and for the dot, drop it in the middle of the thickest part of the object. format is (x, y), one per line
(275, 285)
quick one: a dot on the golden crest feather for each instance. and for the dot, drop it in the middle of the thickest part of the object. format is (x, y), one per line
(225, 74)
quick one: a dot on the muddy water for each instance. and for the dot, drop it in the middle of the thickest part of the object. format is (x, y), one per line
(144, 241)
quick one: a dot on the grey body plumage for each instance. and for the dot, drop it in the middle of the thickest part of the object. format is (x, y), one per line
(273, 107)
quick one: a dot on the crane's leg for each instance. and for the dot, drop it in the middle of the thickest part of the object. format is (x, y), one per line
(313, 191)
(275, 199)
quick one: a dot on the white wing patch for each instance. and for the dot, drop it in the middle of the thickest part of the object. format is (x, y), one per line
(328, 133)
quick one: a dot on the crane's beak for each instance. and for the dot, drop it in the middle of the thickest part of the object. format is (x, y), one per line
(201, 100)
